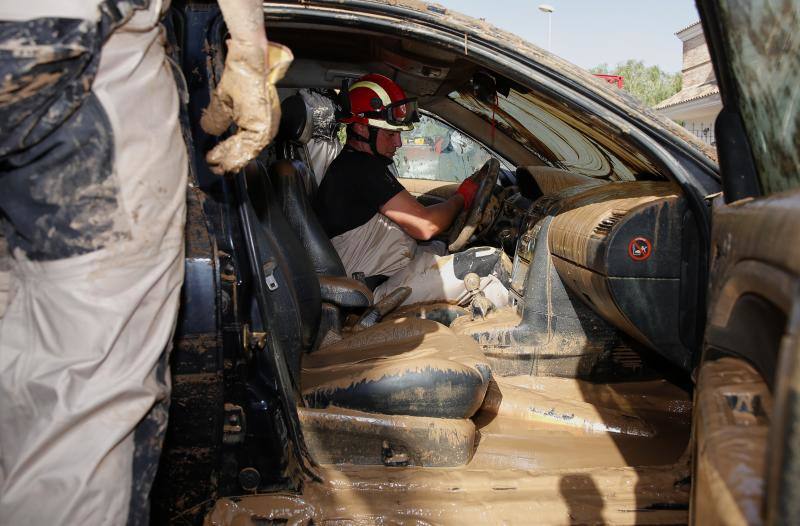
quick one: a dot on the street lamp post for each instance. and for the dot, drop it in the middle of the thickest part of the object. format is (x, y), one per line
(547, 8)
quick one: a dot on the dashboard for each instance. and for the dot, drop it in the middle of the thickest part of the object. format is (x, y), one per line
(627, 250)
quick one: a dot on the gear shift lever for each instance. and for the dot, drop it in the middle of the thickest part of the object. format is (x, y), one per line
(479, 305)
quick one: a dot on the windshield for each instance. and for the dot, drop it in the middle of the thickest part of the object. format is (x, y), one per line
(556, 137)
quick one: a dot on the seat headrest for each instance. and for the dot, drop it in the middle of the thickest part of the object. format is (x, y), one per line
(307, 114)
(296, 124)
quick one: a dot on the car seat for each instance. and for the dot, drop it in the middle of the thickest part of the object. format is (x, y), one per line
(310, 132)
(294, 185)
(391, 384)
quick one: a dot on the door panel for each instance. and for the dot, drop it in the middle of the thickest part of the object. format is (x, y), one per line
(730, 434)
(754, 295)
(755, 278)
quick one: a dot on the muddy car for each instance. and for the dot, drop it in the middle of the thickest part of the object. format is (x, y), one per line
(649, 352)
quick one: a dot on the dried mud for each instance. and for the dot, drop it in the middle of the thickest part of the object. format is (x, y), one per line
(530, 465)
(731, 434)
(392, 348)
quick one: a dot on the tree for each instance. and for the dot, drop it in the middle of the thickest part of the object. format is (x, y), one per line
(650, 85)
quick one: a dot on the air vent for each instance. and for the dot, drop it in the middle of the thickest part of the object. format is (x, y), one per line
(605, 225)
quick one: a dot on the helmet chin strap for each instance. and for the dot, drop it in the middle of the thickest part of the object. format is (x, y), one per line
(372, 141)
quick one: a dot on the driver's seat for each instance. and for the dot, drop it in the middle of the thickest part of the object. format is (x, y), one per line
(288, 178)
(295, 184)
(399, 392)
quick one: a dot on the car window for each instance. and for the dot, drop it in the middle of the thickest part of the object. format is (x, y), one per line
(764, 54)
(435, 150)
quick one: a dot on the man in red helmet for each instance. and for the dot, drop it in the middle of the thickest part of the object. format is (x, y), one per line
(375, 224)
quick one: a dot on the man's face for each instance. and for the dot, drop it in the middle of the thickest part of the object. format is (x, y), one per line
(387, 142)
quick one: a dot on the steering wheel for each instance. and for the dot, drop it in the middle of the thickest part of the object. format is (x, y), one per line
(466, 223)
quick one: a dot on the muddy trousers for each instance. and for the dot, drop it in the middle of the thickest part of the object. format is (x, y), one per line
(381, 247)
(433, 277)
(95, 267)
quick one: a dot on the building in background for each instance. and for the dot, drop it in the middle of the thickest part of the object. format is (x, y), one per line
(697, 104)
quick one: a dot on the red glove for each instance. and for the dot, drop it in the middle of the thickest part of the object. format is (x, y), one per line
(468, 188)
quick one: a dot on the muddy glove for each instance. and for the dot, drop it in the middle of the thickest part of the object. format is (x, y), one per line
(246, 96)
(468, 188)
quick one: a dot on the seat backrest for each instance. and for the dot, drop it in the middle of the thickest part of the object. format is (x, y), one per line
(321, 153)
(303, 116)
(288, 183)
(294, 306)
(309, 133)
(324, 144)
(294, 133)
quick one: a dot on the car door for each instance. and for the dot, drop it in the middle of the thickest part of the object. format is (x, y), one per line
(747, 399)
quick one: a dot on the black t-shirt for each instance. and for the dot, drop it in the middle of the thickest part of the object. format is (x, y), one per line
(353, 190)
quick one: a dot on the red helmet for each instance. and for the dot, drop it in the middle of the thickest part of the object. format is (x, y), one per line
(377, 101)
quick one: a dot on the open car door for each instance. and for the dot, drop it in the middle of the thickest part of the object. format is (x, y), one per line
(747, 416)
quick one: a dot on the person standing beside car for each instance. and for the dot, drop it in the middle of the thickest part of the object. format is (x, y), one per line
(93, 209)
(375, 224)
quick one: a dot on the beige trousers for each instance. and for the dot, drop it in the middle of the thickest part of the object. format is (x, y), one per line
(380, 246)
(433, 278)
(84, 340)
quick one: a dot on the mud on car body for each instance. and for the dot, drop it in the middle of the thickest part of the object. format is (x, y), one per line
(295, 399)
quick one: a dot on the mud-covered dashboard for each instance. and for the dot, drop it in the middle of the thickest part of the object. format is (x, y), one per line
(626, 249)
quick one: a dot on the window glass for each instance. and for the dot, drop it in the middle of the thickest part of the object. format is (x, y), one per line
(434, 150)
(557, 137)
(764, 52)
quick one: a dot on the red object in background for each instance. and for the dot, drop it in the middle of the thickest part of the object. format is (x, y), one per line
(612, 79)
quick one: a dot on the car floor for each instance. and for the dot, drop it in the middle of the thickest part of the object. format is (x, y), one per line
(530, 422)
(549, 451)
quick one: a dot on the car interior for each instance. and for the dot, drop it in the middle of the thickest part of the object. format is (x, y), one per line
(583, 377)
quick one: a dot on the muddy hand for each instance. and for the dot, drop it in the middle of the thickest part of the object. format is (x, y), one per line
(245, 96)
